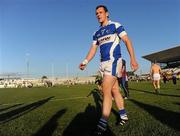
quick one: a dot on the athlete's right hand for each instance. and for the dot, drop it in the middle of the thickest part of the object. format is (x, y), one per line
(82, 66)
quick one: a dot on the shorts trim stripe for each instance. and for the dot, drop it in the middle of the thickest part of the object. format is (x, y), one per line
(114, 65)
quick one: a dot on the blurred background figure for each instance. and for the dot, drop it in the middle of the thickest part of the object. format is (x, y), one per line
(155, 75)
(174, 77)
(123, 81)
(164, 78)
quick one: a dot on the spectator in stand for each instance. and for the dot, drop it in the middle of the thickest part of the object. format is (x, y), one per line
(174, 77)
(164, 78)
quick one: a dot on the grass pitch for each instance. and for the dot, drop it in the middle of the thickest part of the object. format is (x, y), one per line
(67, 111)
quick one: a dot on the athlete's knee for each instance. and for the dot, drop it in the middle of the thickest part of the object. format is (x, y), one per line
(106, 89)
(107, 96)
(115, 89)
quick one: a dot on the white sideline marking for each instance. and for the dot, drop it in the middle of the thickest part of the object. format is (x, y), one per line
(62, 99)
(56, 99)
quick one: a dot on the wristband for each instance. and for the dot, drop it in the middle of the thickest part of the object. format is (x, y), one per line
(85, 62)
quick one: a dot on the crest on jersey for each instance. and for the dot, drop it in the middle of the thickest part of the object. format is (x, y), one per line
(102, 31)
(107, 31)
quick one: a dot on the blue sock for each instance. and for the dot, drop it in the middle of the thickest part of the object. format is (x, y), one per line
(102, 124)
(122, 113)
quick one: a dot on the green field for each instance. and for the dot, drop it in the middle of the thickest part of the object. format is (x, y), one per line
(66, 111)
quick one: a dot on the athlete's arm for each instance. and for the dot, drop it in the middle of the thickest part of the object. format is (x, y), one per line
(134, 64)
(91, 52)
(89, 56)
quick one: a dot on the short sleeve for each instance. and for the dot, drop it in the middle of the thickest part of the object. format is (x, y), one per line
(95, 41)
(120, 30)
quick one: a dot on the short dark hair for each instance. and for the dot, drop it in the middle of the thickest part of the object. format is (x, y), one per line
(102, 6)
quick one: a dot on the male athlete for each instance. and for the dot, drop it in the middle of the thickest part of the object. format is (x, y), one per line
(155, 75)
(108, 37)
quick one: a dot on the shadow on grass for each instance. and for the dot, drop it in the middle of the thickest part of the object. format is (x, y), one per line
(3, 109)
(97, 99)
(116, 115)
(51, 125)
(84, 123)
(13, 114)
(154, 92)
(177, 103)
(167, 117)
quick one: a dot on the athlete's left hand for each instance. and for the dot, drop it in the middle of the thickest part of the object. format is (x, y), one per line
(134, 65)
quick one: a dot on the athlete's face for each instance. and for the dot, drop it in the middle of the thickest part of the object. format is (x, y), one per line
(101, 15)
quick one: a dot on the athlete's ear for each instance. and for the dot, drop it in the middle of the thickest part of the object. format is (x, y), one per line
(107, 14)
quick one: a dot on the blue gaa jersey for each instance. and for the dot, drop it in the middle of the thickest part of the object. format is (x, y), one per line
(108, 39)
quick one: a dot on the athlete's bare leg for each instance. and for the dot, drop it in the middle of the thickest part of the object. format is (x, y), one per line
(117, 96)
(154, 84)
(158, 84)
(108, 83)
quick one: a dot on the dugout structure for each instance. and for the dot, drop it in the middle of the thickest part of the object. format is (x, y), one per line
(169, 58)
